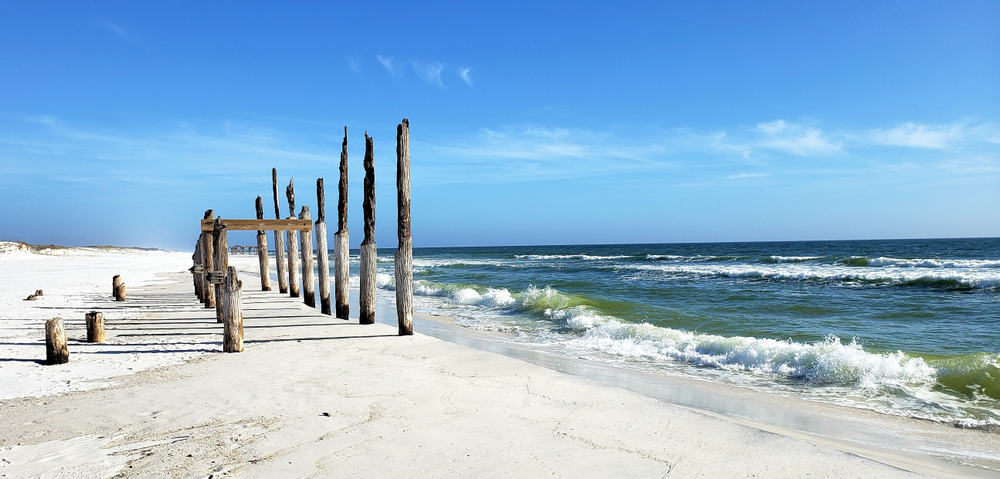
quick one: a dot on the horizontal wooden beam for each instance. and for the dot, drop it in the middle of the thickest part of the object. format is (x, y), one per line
(248, 225)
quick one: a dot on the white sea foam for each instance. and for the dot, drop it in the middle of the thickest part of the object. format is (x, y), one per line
(572, 256)
(826, 362)
(933, 263)
(973, 278)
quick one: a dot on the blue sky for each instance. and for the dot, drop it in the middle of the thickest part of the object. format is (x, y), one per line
(600, 122)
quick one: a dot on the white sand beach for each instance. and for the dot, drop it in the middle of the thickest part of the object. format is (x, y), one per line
(315, 396)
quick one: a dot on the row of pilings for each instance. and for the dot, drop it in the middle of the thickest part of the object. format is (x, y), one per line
(216, 283)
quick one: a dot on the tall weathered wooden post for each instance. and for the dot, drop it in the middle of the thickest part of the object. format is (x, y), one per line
(322, 254)
(293, 244)
(404, 253)
(369, 250)
(341, 244)
(232, 313)
(208, 253)
(308, 280)
(196, 267)
(279, 239)
(221, 261)
(265, 276)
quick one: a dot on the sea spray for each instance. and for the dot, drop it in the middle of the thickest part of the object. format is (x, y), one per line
(905, 327)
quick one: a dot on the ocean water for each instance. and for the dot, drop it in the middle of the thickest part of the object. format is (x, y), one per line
(906, 327)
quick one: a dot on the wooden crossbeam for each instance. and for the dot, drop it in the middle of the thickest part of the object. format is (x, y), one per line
(249, 225)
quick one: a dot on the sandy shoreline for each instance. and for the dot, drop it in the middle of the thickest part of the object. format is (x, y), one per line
(313, 395)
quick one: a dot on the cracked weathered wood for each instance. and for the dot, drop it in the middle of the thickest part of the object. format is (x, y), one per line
(232, 313)
(195, 264)
(369, 250)
(279, 239)
(208, 250)
(341, 242)
(95, 326)
(221, 261)
(250, 225)
(56, 350)
(262, 260)
(322, 254)
(292, 241)
(308, 280)
(404, 252)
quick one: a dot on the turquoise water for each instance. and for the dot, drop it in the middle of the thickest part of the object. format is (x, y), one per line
(906, 327)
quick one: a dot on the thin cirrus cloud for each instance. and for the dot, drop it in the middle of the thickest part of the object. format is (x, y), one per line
(113, 28)
(387, 63)
(525, 153)
(429, 72)
(918, 136)
(516, 153)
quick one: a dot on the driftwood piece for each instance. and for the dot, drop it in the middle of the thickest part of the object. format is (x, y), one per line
(404, 253)
(279, 239)
(95, 326)
(208, 250)
(265, 274)
(56, 350)
(322, 253)
(221, 261)
(39, 292)
(369, 250)
(232, 313)
(293, 245)
(308, 279)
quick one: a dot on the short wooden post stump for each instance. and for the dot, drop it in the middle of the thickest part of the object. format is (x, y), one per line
(95, 327)
(56, 350)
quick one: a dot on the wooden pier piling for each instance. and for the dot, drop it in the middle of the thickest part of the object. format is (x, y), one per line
(95, 326)
(322, 254)
(232, 312)
(56, 350)
(265, 276)
(195, 267)
(221, 261)
(293, 244)
(208, 253)
(306, 247)
(341, 242)
(404, 253)
(119, 288)
(369, 250)
(279, 239)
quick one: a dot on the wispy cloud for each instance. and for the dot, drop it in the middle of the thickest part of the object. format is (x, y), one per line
(114, 28)
(353, 65)
(532, 152)
(463, 73)
(915, 135)
(744, 176)
(387, 63)
(429, 72)
(793, 138)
